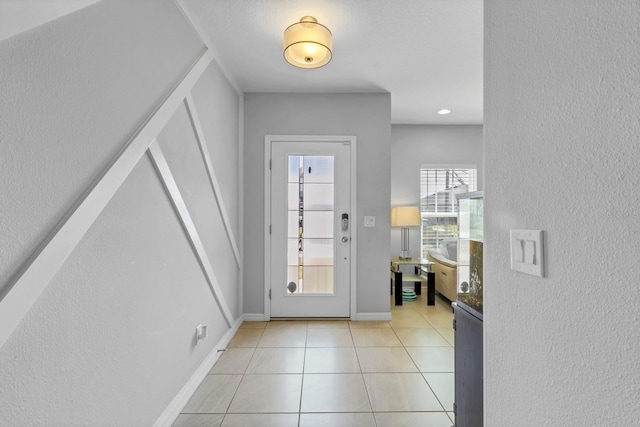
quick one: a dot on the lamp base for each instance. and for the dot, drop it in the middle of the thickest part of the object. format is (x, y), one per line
(404, 245)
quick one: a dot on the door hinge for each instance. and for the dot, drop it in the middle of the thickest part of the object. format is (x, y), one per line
(455, 409)
(269, 228)
(269, 164)
(454, 324)
(269, 293)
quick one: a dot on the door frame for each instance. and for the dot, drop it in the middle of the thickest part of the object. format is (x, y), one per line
(351, 141)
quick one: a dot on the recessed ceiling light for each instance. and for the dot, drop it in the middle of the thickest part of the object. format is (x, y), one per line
(444, 111)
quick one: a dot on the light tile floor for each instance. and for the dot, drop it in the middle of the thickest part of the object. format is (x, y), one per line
(338, 373)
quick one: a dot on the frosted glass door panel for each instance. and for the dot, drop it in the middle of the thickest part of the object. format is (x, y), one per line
(310, 225)
(313, 225)
(318, 225)
(316, 252)
(318, 169)
(312, 169)
(317, 197)
(317, 280)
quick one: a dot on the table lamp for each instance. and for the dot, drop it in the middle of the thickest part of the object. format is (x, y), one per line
(405, 217)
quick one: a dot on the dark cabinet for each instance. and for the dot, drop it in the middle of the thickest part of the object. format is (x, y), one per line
(468, 309)
(468, 367)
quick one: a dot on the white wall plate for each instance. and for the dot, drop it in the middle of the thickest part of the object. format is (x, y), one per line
(527, 255)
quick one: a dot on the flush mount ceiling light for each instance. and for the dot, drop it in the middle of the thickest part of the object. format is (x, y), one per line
(444, 111)
(307, 44)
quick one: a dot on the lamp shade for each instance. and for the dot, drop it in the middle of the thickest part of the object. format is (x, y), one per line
(405, 216)
(307, 44)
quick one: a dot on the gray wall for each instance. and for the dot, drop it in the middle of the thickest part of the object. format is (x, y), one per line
(110, 341)
(415, 145)
(562, 101)
(367, 116)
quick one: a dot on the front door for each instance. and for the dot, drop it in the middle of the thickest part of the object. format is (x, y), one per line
(310, 259)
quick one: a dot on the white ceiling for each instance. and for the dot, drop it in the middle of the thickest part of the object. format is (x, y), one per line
(426, 53)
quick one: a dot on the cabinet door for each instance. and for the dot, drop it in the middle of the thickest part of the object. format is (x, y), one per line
(468, 369)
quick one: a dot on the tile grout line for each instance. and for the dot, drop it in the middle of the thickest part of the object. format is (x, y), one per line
(244, 373)
(418, 369)
(304, 362)
(355, 349)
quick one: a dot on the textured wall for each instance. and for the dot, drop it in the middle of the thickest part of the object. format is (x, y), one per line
(22, 15)
(561, 147)
(73, 92)
(367, 116)
(110, 341)
(415, 145)
(180, 147)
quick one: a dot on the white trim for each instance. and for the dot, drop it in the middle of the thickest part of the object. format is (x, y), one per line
(255, 317)
(194, 21)
(241, 199)
(160, 163)
(372, 317)
(440, 214)
(33, 277)
(268, 140)
(40, 269)
(211, 174)
(267, 226)
(354, 230)
(448, 166)
(173, 409)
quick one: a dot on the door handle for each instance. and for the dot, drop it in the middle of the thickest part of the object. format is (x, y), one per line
(345, 221)
(345, 239)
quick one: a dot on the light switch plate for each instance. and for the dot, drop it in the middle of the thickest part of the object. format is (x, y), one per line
(369, 221)
(527, 254)
(201, 333)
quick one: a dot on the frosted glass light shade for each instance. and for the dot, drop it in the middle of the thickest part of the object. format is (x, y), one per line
(307, 44)
(405, 216)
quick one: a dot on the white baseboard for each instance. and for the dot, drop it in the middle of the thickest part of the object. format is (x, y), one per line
(173, 410)
(364, 317)
(259, 317)
(255, 317)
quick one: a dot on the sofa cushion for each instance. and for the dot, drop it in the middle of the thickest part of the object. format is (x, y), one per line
(445, 272)
(449, 248)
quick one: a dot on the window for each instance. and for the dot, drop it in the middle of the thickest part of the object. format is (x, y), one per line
(438, 188)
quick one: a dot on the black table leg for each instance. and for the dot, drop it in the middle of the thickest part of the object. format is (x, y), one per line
(431, 288)
(417, 285)
(397, 277)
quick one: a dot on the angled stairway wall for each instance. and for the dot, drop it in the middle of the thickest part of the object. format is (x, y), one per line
(120, 174)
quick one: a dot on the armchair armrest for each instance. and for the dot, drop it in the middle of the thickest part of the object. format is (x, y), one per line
(438, 257)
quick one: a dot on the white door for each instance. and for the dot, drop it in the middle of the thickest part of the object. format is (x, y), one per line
(310, 260)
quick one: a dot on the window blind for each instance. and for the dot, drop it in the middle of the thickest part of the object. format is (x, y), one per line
(438, 208)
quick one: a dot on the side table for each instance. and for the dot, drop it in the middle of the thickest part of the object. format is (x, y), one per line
(422, 273)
